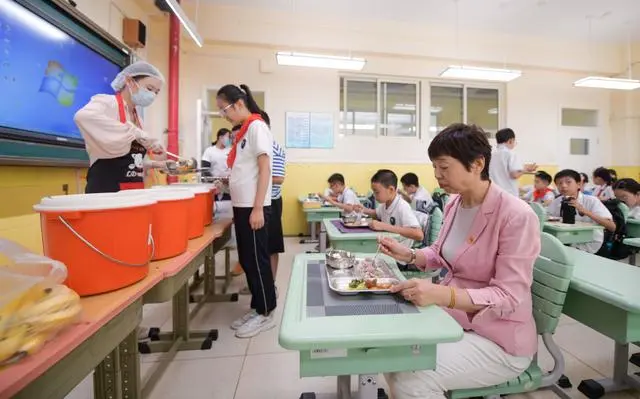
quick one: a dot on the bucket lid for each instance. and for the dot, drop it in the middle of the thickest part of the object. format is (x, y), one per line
(194, 188)
(160, 195)
(91, 202)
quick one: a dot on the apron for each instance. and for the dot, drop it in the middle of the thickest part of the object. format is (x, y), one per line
(122, 173)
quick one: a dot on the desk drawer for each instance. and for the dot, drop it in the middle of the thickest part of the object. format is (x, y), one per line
(366, 360)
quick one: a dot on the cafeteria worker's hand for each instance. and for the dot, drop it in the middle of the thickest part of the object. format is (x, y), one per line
(394, 249)
(256, 220)
(422, 292)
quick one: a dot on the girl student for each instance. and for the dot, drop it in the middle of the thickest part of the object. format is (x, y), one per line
(628, 191)
(250, 161)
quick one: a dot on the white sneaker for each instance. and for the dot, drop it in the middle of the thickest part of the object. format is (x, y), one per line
(255, 326)
(244, 319)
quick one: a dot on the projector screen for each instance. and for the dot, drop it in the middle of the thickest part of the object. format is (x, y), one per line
(46, 75)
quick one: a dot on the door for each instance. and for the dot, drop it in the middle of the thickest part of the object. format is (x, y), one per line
(579, 136)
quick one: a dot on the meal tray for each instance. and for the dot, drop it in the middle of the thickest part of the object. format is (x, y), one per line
(364, 222)
(339, 279)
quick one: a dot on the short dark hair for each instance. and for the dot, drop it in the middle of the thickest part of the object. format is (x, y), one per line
(410, 179)
(336, 178)
(221, 133)
(614, 175)
(504, 135)
(604, 174)
(567, 173)
(466, 143)
(627, 184)
(385, 177)
(542, 175)
(585, 177)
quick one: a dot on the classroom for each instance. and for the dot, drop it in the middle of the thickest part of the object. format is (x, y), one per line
(197, 194)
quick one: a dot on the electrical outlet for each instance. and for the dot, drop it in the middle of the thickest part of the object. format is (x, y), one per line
(65, 189)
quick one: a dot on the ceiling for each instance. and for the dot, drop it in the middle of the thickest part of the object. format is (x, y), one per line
(612, 20)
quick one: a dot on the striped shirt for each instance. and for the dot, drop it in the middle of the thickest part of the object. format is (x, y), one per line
(279, 159)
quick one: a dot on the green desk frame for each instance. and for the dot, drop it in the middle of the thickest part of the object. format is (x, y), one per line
(360, 345)
(570, 234)
(352, 242)
(610, 304)
(633, 228)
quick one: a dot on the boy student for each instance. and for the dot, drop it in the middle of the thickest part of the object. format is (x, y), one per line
(505, 169)
(394, 214)
(588, 208)
(345, 198)
(541, 193)
(413, 193)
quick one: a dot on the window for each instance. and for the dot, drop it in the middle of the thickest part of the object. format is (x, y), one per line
(375, 107)
(579, 117)
(579, 146)
(466, 104)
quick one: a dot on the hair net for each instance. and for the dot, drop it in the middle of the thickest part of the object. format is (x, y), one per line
(138, 68)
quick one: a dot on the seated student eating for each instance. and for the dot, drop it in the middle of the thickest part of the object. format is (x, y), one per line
(589, 209)
(489, 242)
(541, 192)
(345, 198)
(414, 193)
(628, 191)
(394, 214)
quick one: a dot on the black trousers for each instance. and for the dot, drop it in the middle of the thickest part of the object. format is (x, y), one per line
(253, 254)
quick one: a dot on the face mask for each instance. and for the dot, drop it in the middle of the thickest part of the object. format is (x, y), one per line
(227, 142)
(143, 98)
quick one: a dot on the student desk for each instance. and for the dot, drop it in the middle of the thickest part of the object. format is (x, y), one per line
(106, 338)
(604, 295)
(357, 343)
(633, 228)
(315, 215)
(635, 243)
(352, 242)
(579, 233)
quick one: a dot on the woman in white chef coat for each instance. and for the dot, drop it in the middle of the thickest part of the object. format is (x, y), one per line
(215, 159)
(113, 132)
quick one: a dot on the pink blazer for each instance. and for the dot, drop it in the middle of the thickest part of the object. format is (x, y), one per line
(495, 266)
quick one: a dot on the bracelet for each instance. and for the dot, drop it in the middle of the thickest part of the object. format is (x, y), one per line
(452, 301)
(412, 260)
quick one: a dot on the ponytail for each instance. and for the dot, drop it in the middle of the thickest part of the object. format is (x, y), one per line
(232, 94)
(253, 106)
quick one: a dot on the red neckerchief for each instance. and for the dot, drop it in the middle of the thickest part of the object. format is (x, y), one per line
(539, 194)
(231, 158)
(122, 113)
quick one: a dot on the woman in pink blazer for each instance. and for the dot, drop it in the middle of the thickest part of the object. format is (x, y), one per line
(488, 242)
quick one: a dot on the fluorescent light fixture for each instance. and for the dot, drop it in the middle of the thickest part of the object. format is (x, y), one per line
(31, 20)
(477, 73)
(404, 107)
(320, 61)
(185, 21)
(608, 83)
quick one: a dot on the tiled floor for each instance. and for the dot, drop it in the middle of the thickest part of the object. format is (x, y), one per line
(259, 368)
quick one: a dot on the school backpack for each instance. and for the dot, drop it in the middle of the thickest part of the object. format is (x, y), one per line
(440, 199)
(612, 246)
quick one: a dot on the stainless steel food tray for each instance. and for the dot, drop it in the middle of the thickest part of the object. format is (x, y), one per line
(339, 279)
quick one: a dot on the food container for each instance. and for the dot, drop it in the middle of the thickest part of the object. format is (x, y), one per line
(355, 221)
(339, 259)
(356, 280)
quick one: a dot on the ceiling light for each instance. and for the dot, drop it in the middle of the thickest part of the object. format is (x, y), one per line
(477, 73)
(608, 83)
(185, 21)
(320, 61)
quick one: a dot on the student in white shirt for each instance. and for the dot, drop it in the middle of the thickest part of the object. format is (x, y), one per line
(540, 192)
(413, 193)
(602, 179)
(628, 191)
(586, 187)
(215, 159)
(346, 199)
(505, 169)
(394, 214)
(250, 161)
(589, 209)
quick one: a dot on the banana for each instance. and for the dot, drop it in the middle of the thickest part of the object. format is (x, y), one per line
(9, 311)
(53, 321)
(10, 343)
(33, 344)
(59, 298)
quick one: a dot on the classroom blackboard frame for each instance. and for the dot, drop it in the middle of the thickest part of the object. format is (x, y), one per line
(19, 147)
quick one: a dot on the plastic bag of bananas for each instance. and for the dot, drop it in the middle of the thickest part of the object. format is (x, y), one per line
(34, 305)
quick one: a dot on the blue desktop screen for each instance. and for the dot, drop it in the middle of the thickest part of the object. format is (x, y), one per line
(45, 74)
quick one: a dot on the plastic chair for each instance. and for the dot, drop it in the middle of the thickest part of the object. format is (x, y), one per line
(540, 212)
(551, 277)
(431, 225)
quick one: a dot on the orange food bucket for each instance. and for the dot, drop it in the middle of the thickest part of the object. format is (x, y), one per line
(104, 240)
(197, 212)
(170, 220)
(210, 206)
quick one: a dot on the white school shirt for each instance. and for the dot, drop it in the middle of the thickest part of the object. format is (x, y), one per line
(592, 204)
(604, 190)
(348, 197)
(400, 214)
(503, 162)
(243, 182)
(421, 196)
(218, 159)
(634, 213)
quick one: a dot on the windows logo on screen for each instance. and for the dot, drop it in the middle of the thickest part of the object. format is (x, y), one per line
(61, 85)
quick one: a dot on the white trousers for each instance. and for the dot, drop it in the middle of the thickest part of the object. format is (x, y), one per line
(473, 362)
